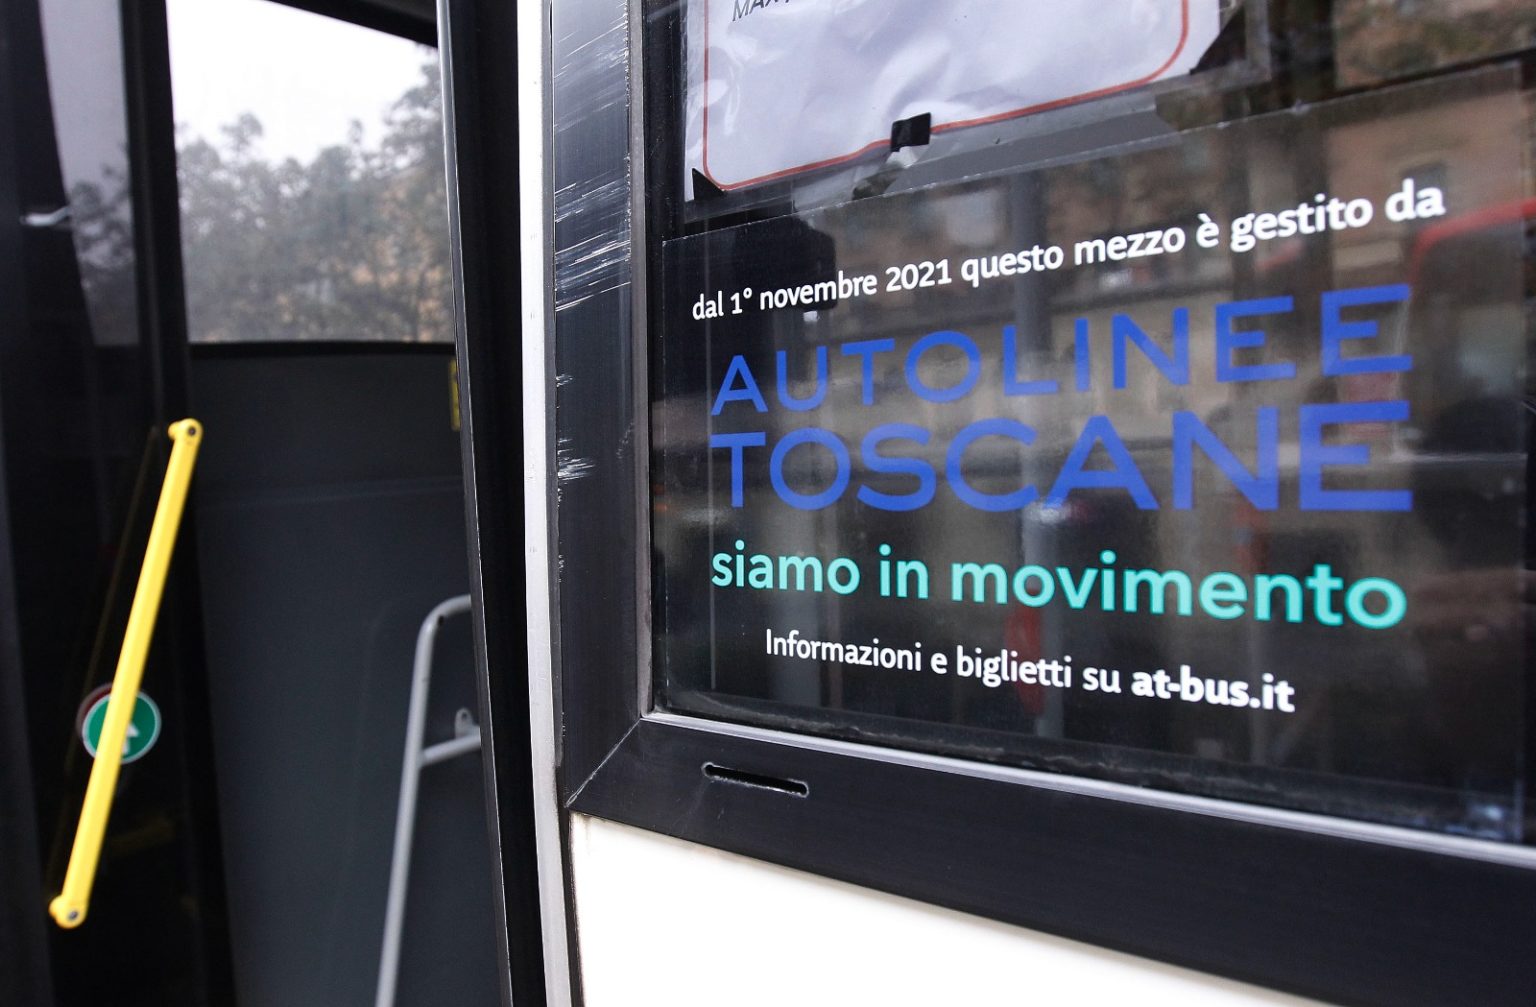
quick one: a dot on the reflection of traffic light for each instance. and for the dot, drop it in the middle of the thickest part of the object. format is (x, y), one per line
(1021, 635)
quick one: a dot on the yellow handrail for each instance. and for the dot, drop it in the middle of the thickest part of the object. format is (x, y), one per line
(68, 909)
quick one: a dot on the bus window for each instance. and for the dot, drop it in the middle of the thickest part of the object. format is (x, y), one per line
(312, 189)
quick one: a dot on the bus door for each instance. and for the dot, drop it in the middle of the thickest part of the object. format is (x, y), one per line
(234, 212)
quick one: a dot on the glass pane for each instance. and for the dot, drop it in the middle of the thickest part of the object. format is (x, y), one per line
(312, 178)
(92, 129)
(1175, 436)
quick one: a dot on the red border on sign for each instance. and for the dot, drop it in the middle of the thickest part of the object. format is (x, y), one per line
(938, 127)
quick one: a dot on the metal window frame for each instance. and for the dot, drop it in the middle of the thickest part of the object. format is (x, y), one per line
(1322, 907)
(23, 937)
(494, 60)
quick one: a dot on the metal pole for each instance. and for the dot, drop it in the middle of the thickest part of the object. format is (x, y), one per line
(410, 779)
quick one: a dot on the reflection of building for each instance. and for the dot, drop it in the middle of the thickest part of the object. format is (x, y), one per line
(1465, 138)
(1379, 40)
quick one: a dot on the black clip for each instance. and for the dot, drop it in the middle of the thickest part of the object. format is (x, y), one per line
(703, 188)
(914, 132)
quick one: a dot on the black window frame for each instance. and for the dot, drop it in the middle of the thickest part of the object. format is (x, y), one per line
(408, 19)
(1338, 910)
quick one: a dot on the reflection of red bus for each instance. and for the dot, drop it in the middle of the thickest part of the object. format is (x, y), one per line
(1466, 322)
(1432, 242)
(1467, 328)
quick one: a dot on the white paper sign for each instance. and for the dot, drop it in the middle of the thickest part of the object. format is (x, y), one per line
(777, 87)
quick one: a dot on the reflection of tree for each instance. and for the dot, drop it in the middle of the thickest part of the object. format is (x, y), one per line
(1380, 40)
(103, 234)
(352, 245)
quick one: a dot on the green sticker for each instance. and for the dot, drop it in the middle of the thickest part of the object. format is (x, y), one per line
(143, 729)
